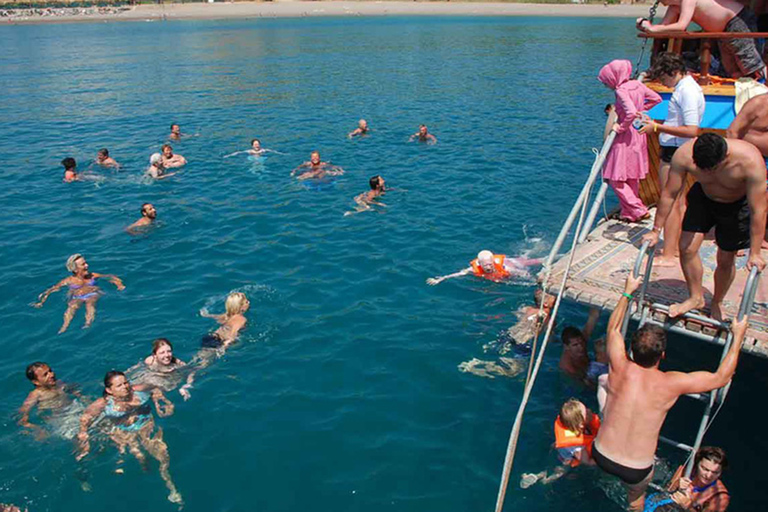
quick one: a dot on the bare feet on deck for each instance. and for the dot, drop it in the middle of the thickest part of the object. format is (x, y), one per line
(717, 312)
(666, 261)
(676, 310)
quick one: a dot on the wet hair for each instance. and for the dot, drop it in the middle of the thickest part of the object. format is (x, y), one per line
(648, 345)
(143, 207)
(69, 163)
(374, 182)
(174, 124)
(103, 152)
(572, 417)
(255, 140)
(166, 146)
(667, 64)
(109, 377)
(234, 303)
(570, 334)
(712, 454)
(709, 150)
(71, 262)
(32, 370)
(160, 343)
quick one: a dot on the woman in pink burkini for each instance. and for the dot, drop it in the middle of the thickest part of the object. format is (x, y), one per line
(627, 161)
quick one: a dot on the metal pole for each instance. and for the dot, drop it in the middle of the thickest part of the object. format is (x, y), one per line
(596, 168)
(593, 212)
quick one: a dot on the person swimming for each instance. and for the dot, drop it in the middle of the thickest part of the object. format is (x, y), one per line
(316, 168)
(103, 159)
(255, 150)
(82, 290)
(162, 369)
(175, 132)
(70, 170)
(156, 168)
(170, 159)
(423, 135)
(148, 216)
(231, 322)
(365, 200)
(55, 402)
(495, 267)
(362, 129)
(129, 410)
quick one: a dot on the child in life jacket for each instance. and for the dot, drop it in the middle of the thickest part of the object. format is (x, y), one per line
(575, 430)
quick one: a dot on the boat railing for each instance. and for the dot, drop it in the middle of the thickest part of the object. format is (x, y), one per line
(675, 40)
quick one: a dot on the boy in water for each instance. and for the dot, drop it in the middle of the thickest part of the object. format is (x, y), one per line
(367, 199)
(49, 395)
(103, 158)
(70, 169)
(574, 359)
(148, 215)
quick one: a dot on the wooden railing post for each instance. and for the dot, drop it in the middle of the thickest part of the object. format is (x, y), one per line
(705, 58)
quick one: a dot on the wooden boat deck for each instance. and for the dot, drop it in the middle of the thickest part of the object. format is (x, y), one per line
(602, 262)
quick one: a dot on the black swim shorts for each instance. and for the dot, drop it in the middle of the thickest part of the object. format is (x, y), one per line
(667, 152)
(629, 476)
(731, 220)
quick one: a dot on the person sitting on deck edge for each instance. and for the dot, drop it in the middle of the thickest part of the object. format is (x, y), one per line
(729, 194)
(740, 57)
(639, 396)
(488, 265)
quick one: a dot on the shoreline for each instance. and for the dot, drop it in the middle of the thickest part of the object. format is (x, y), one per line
(303, 9)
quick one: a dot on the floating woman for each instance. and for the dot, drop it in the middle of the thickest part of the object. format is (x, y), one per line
(162, 369)
(82, 290)
(128, 408)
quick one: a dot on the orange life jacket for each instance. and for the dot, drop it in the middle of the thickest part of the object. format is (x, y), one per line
(499, 271)
(565, 438)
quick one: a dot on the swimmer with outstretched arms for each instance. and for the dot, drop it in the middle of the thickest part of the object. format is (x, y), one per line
(256, 150)
(82, 290)
(362, 129)
(495, 267)
(103, 159)
(368, 199)
(148, 216)
(156, 168)
(423, 135)
(129, 409)
(171, 160)
(49, 396)
(70, 170)
(316, 168)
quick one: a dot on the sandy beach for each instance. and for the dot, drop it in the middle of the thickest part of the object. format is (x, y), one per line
(297, 9)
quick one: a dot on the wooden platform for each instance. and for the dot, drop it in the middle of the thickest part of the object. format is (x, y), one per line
(601, 265)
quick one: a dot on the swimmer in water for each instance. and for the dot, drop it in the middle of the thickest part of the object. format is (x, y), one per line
(530, 321)
(316, 168)
(163, 363)
(367, 199)
(256, 150)
(423, 135)
(82, 290)
(128, 408)
(232, 321)
(70, 170)
(50, 396)
(4, 507)
(103, 159)
(362, 129)
(175, 132)
(156, 168)
(148, 215)
(495, 267)
(171, 160)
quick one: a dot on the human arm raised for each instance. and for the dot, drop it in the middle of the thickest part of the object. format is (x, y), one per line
(617, 353)
(589, 327)
(432, 281)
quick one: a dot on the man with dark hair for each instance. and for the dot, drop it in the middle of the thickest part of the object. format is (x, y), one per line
(729, 195)
(148, 216)
(368, 199)
(574, 359)
(171, 160)
(175, 132)
(49, 396)
(704, 490)
(103, 158)
(70, 169)
(639, 395)
(740, 57)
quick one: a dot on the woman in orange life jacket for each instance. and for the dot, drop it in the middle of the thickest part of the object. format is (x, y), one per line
(575, 431)
(495, 267)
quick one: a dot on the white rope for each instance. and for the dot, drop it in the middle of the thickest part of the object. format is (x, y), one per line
(513, 437)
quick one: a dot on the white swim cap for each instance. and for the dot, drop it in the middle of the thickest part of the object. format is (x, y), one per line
(485, 257)
(156, 158)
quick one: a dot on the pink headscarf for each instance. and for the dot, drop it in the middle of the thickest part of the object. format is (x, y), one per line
(615, 73)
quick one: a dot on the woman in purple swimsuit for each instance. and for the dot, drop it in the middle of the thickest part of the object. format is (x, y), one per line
(82, 290)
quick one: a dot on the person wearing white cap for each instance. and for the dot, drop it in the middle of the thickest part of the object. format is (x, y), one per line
(495, 267)
(157, 168)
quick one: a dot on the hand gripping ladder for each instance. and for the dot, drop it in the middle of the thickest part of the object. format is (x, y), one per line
(712, 400)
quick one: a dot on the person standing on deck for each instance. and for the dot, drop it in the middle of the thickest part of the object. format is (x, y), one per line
(729, 195)
(684, 115)
(639, 396)
(627, 161)
(740, 57)
(751, 124)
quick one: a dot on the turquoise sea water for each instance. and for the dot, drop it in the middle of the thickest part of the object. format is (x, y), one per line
(344, 392)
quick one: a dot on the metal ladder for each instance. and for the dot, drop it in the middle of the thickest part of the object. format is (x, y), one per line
(714, 399)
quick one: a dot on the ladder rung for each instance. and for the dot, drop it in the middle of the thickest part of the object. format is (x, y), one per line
(685, 332)
(670, 442)
(702, 397)
(693, 316)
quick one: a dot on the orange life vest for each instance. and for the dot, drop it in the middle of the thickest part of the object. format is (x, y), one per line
(499, 271)
(565, 438)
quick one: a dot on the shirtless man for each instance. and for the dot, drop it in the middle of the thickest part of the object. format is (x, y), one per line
(103, 158)
(729, 194)
(49, 395)
(70, 169)
(640, 396)
(175, 132)
(367, 199)
(574, 359)
(362, 129)
(423, 135)
(170, 160)
(316, 168)
(751, 124)
(157, 168)
(739, 56)
(148, 215)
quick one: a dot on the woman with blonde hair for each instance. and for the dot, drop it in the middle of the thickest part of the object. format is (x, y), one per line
(82, 290)
(232, 321)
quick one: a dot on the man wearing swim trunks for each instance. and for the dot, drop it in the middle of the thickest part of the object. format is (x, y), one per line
(729, 195)
(740, 57)
(639, 396)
